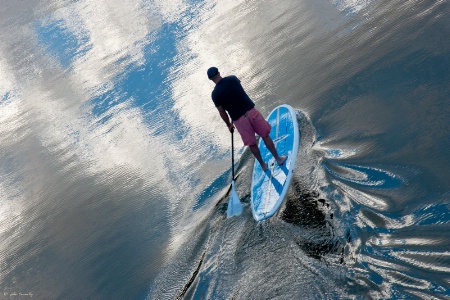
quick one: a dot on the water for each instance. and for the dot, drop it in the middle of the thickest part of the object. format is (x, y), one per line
(115, 166)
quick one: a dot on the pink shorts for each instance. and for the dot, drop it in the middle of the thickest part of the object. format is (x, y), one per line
(249, 124)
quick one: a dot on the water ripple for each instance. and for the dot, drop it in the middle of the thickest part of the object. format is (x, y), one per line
(363, 175)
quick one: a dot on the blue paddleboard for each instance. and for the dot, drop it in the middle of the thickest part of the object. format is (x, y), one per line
(270, 188)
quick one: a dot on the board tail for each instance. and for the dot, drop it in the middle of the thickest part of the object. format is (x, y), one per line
(234, 204)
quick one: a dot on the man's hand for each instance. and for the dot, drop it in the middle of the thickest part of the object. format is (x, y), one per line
(231, 128)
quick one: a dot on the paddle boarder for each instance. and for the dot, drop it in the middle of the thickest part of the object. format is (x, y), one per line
(229, 96)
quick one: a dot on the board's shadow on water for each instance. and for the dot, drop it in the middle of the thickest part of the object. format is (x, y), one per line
(312, 219)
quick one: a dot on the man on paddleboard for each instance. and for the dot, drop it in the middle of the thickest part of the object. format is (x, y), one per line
(229, 96)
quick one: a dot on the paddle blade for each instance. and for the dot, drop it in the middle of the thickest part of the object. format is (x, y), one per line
(234, 204)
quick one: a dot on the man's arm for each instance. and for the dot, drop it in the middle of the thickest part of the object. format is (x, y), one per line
(225, 118)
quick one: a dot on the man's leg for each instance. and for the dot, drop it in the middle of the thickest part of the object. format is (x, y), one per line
(262, 128)
(271, 146)
(247, 133)
(255, 150)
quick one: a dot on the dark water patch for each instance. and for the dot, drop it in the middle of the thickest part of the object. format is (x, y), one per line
(304, 211)
(387, 81)
(309, 212)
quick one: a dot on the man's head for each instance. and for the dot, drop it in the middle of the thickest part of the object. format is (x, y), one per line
(213, 72)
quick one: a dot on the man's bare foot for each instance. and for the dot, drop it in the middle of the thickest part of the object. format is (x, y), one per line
(281, 160)
(264, 167)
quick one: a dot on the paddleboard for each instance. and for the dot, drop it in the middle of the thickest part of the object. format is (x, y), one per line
(270, 188)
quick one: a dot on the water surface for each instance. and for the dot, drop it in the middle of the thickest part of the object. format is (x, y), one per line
(115, 166)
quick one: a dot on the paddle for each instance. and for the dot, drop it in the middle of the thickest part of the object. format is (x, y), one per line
(234, 204)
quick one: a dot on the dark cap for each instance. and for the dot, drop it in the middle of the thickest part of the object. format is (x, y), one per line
(213, 71)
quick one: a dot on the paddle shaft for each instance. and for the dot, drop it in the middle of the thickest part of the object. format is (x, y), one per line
(232, 155)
